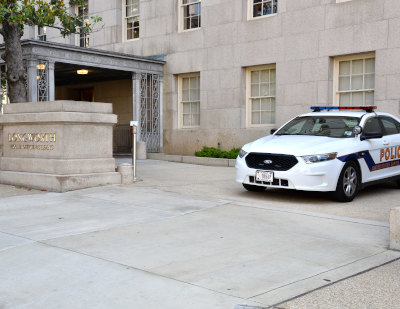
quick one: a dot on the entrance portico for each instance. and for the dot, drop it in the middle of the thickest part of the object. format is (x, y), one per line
(52, 71)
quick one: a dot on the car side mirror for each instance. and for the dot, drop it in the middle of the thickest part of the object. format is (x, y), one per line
(371, 135)
(357, 130)
(273, 131)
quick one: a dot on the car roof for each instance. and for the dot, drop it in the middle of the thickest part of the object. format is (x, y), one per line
(357, 114)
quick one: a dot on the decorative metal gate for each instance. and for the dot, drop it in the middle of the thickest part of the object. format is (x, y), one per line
(150, 122)
(42, 81)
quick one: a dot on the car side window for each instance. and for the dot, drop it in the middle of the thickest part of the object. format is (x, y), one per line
(372, 125)
(390, 125)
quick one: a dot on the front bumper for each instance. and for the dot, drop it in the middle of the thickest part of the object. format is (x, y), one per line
(321, 176)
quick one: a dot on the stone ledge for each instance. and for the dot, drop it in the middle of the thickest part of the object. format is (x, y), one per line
(59, 183)
(58, 106)
(55, 117)
(394, 228)
(192, 160)
(58, 166)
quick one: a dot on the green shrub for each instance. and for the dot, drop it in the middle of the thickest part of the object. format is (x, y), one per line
(212, 152)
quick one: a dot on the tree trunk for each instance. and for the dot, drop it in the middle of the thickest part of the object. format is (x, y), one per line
(16, 75)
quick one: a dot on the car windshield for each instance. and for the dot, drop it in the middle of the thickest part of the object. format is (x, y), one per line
(330, 126)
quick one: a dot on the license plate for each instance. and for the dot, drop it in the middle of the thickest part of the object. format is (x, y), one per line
(264, 176)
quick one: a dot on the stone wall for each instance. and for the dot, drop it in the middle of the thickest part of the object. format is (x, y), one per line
(1, 141)
(301, 40)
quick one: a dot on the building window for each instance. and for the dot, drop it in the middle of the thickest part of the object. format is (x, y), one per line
(132, 19)
(41, 33)
(190, 13)
(259, 8)
(355, 81)
(261, 89)
(83, 12)
(189, 100)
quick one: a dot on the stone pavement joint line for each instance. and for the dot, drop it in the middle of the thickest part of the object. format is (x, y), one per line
(248, 307)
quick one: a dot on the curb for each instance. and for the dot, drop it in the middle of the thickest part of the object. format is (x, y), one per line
(192, 160)
(394, 226)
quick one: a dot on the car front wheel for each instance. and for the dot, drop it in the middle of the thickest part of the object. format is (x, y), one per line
(348, 182)
(254, 188)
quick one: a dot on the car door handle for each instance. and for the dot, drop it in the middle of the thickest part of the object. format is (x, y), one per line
(385, 143)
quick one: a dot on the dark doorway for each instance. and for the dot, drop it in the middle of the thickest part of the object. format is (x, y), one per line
(86, 94)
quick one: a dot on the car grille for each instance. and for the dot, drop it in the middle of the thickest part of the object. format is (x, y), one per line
(276, 162)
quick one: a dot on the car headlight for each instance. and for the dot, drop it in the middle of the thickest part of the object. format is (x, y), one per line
(320, 157)
(242, 153)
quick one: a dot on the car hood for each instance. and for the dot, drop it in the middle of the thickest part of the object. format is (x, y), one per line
(298, 145)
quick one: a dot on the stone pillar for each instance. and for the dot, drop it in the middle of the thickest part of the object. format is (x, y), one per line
(136, 101)
(32, 80)
(51, 85)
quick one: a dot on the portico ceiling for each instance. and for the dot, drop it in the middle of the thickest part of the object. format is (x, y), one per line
(66, 74)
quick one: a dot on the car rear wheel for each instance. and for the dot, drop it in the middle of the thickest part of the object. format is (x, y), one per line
(254, 188)
(348, 182)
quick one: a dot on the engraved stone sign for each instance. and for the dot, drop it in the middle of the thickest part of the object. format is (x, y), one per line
(58, 146)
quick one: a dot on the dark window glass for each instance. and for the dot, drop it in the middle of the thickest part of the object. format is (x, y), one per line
(330, 126)
(264, 7)
(372, 126)
(390, 125)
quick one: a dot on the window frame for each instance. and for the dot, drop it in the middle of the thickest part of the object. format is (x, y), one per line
(181, 7)
(250, 12)
(249, 98)
(125, 22)
(39, 36)
(78, 37)
(180, 102)
(337, 60)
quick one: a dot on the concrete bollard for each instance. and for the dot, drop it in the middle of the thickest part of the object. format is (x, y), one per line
(141, 150)
(394, 227)
(126, 171)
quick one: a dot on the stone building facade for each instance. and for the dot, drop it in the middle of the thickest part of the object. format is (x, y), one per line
(237, 68)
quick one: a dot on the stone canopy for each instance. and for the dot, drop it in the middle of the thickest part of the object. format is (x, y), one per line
(48, 63)
(53, 66)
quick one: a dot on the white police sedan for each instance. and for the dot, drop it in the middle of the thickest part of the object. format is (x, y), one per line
(335, 149)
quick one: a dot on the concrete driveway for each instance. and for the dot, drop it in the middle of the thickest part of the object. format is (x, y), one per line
(186, 236)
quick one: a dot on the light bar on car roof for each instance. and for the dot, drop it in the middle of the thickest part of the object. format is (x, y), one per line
(368, 109)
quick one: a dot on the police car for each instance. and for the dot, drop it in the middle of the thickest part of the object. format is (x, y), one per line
(332, 149)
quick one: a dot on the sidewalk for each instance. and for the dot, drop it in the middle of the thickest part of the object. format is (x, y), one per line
(187, 236)
(378, 288)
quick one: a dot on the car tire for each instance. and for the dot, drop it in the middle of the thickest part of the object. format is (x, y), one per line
(254, 188)
(348, 182)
